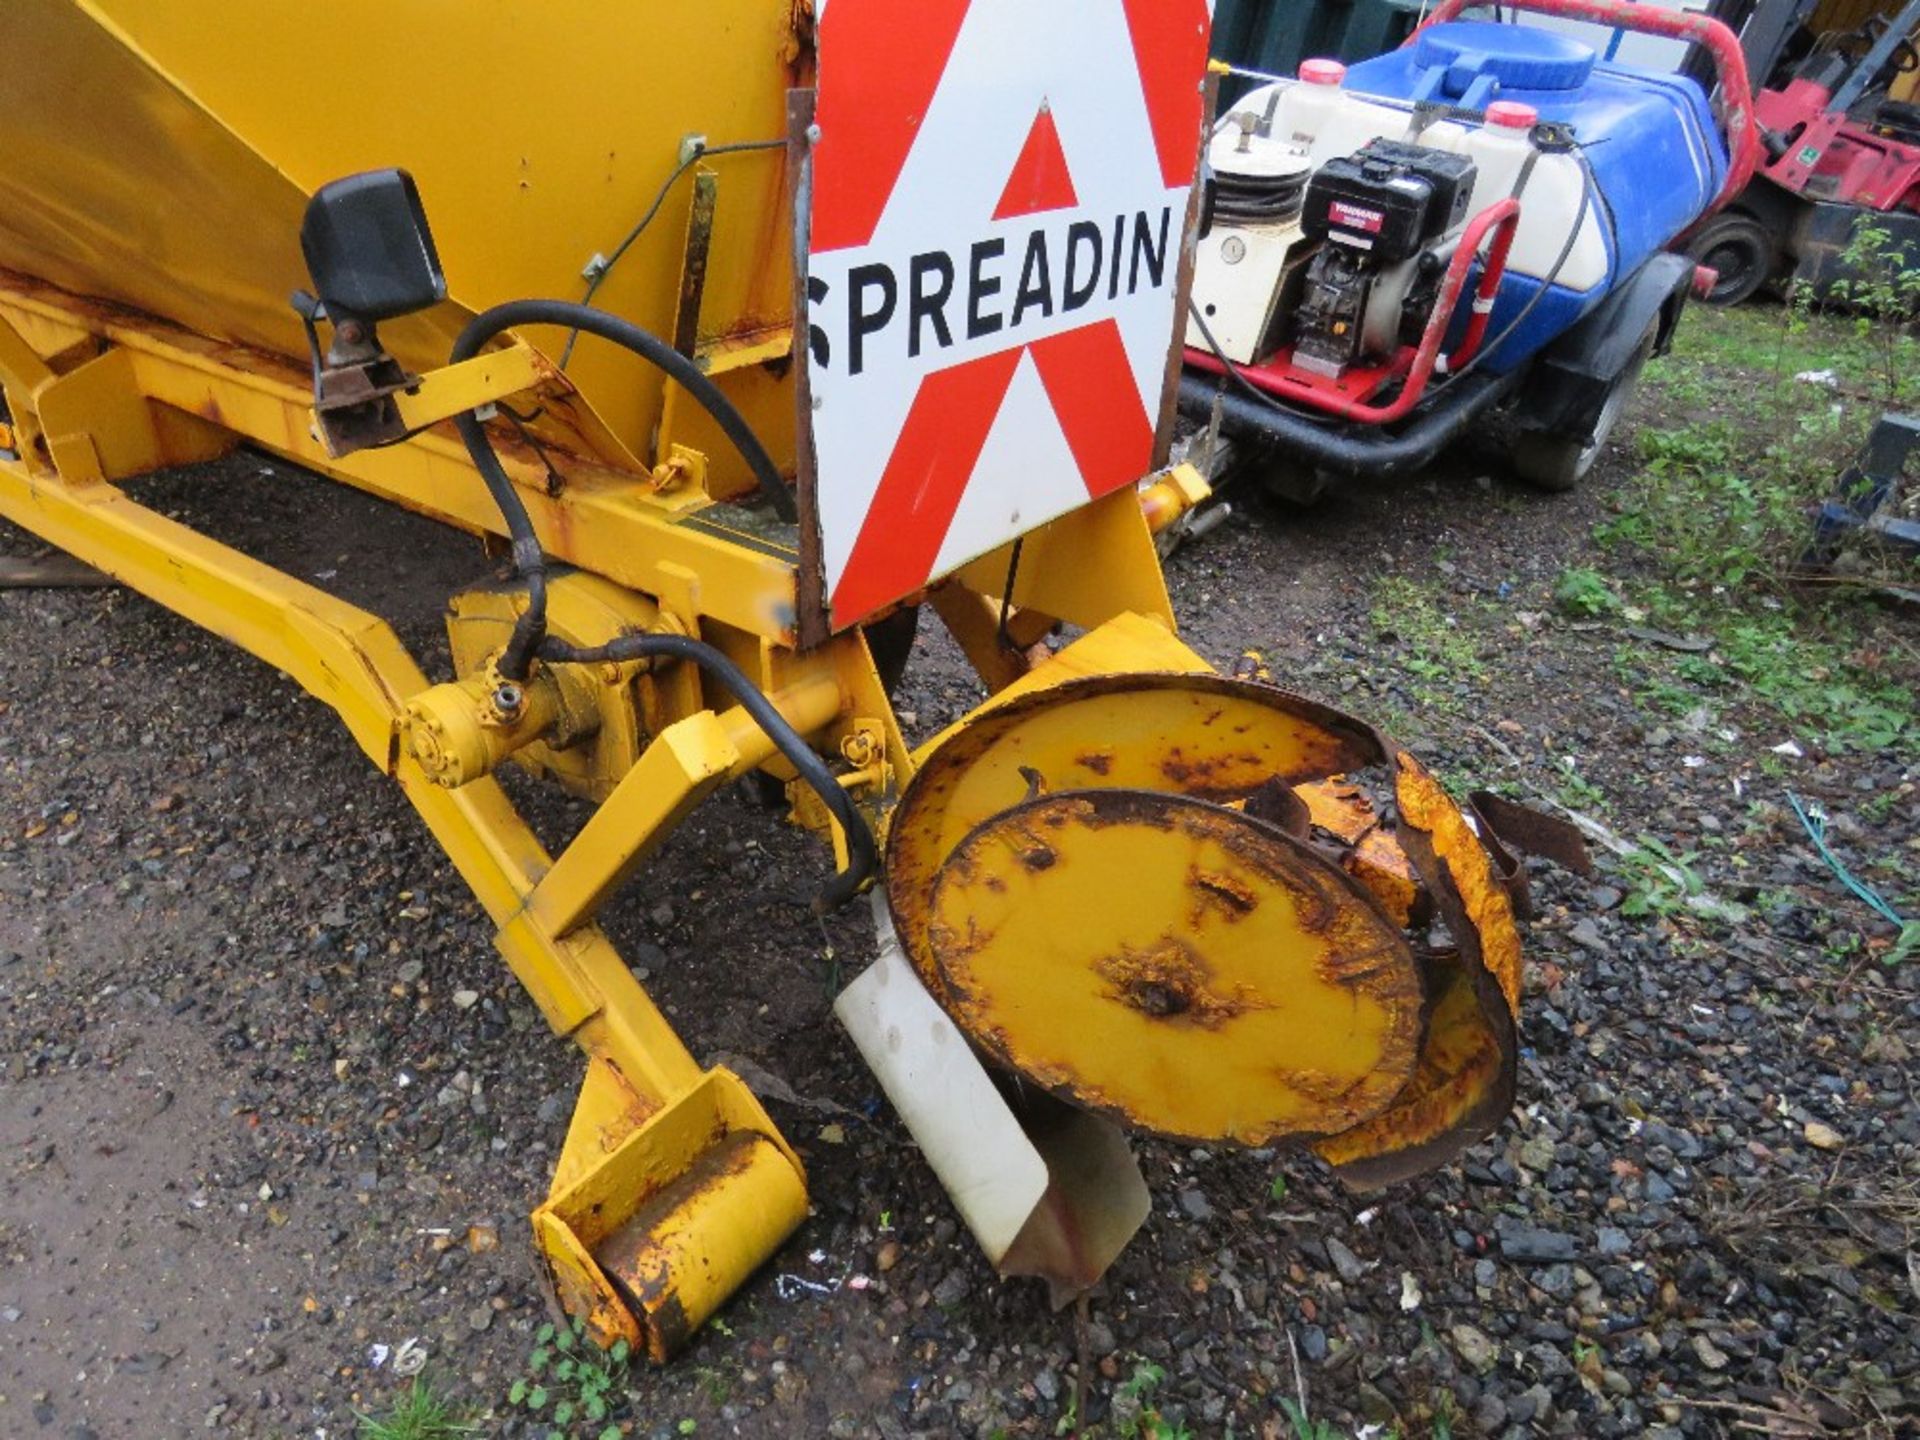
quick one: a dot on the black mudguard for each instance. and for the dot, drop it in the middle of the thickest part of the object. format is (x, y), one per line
(1570, 378)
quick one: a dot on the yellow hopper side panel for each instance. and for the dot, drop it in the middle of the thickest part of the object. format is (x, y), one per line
(160, 156)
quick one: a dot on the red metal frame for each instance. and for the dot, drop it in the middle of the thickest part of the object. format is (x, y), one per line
(1729, 63)
(1337, 395)
(1866, 169)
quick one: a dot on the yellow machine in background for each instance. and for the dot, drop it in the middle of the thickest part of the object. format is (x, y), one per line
(1172, 901)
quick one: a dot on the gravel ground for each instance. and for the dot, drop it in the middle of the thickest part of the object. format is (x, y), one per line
(270, 1108)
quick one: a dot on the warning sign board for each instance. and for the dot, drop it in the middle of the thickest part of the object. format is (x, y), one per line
(996, 210)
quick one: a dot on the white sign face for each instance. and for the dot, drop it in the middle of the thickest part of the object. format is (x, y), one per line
(998, 202)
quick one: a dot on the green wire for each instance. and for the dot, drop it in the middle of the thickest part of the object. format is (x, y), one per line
(1817, 832)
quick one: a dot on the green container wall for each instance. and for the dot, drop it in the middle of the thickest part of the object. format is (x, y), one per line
(1274, 36)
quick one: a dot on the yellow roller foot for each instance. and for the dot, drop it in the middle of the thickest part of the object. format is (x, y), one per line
(651, 1226)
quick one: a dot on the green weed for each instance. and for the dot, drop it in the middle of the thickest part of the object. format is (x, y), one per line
(1585, 594)
(1659, 881)
(1883, 293)
(1877, 809)
(1439, 1426)
(1306, 1428)
(1575, 791)
(1816, 686)
(716, 1385)
(1134, 1417)
(1904, 948)
(571, 1384)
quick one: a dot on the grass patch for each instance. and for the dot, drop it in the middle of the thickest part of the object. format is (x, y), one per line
(1432, 644)
(1726, 495)
(1803, 666)
(1721, 510)
(420, 1413)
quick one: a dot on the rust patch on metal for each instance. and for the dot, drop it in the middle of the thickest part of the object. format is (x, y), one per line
(1207, 777)
(1327, 937)
(640, 1266)
(1098, 761)
(1227, 895)
(1038, 857)
(1169, 981)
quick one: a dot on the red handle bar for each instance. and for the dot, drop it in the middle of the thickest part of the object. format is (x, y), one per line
(1729, 63)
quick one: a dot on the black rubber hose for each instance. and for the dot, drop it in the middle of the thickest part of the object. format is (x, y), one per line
(655, 351)
(1354, 451)
(531, 628)
(862, 854)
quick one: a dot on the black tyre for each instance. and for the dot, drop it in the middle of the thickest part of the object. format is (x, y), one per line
(1737, 248)
(890, 641)
(1557, 463)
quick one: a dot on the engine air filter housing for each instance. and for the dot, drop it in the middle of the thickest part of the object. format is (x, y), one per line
(1389, 198)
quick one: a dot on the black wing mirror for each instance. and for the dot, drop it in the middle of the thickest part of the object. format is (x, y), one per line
(368, 248)
(371, 257)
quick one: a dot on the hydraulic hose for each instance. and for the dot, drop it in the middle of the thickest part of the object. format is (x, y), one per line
(530, 639)
(531, 628)
(656, 352)
(528, 631)
(1487, 347)
(862, 853)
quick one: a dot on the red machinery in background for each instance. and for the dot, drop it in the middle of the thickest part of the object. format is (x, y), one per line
(1841, 155)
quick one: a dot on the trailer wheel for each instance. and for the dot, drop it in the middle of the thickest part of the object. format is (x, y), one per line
(1556, 462)
(1739, 249)
(890, 642)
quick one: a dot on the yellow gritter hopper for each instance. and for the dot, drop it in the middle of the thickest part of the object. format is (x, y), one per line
(1125, 893)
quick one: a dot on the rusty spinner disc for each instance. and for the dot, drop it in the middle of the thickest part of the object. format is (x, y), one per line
(1177, 965)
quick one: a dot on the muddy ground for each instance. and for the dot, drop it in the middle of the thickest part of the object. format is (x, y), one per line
(272, 1112)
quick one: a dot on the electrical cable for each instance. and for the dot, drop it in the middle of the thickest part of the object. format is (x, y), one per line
(862, 852)
(521, 424)
(1235, 374)
(598, 276)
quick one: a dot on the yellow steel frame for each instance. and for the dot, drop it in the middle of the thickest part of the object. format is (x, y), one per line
(99, 394)
(78, 430)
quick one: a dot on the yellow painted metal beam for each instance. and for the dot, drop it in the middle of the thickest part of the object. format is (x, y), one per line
(676, 545)
(450, 390)
(684, 764)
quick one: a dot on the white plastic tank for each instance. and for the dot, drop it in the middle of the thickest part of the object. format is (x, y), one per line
(1315, 115)
(1303, 107)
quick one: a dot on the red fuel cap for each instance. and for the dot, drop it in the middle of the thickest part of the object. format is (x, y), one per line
(1512, 114)
(1322, 72)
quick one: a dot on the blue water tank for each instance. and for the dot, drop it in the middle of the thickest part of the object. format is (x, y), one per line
(1469, 62)
(1649, 138)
